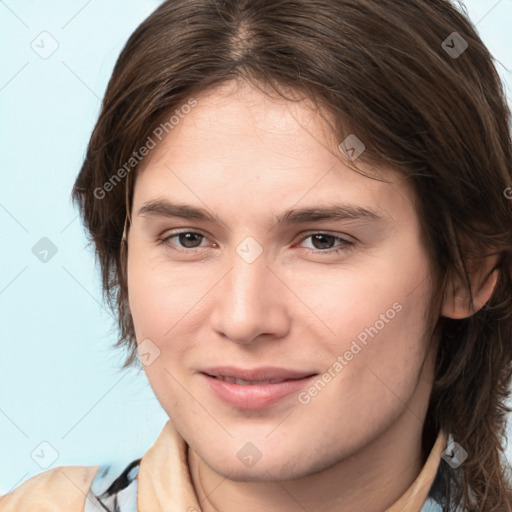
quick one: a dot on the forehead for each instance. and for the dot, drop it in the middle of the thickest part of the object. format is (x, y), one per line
(240, 143)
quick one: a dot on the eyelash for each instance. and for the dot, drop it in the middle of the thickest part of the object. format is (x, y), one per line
(345, 246)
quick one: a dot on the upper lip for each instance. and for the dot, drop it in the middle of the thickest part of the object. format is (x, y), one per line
(257, 374)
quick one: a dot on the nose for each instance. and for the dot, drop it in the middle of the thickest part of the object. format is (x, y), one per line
(250, 301)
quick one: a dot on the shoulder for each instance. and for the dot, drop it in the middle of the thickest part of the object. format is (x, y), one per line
(66, 486)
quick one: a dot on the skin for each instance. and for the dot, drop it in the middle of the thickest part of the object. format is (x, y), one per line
(245, 157)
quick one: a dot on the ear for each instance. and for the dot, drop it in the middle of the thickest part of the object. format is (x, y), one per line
(456, 303)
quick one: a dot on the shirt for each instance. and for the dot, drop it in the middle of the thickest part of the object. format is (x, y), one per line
(160, 481)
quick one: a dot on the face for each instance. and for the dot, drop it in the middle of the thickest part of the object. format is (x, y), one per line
(338, 299)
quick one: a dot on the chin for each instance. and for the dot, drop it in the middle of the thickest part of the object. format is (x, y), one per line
(261, 472)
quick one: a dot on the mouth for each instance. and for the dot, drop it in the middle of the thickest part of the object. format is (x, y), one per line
(242, 382)
(260, 375)
(251, 389)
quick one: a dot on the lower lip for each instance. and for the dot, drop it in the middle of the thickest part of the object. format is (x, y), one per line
(255, 396)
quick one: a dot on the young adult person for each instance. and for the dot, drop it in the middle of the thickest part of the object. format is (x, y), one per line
(302, 217)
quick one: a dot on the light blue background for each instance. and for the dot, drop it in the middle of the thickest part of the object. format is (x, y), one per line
(60, 380)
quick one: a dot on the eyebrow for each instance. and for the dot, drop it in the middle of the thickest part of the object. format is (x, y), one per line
(331, 212)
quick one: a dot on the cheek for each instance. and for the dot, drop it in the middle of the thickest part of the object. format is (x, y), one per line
(166, 305)
(385, 373)
(159, 296)
(376, 324)
(158, 300)
(373, 368)
(380, 300)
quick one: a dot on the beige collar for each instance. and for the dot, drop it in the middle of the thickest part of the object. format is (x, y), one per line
(165, 484)
(414, 497)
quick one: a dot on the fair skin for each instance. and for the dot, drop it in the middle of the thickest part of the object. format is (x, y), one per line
(356, 446)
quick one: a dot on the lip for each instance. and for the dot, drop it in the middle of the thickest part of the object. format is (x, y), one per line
(255, 396)
(257, 374)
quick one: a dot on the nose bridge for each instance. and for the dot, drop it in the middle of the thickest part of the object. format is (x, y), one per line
(249, 305)
(248, 284)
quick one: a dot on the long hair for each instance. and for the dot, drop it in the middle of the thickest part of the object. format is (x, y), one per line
(414, 81)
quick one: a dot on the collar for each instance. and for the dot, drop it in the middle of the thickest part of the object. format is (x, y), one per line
(165, 484)
(415, 496)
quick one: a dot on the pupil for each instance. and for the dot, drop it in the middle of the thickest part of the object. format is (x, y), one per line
(316, 238)
(187, 238)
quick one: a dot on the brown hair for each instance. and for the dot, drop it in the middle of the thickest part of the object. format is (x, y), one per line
(394, 73)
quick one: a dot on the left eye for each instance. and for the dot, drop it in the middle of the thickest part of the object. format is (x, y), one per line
(323, 239)
(187, 238)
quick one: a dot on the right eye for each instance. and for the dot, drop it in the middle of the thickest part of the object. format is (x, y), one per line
(188, 239)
